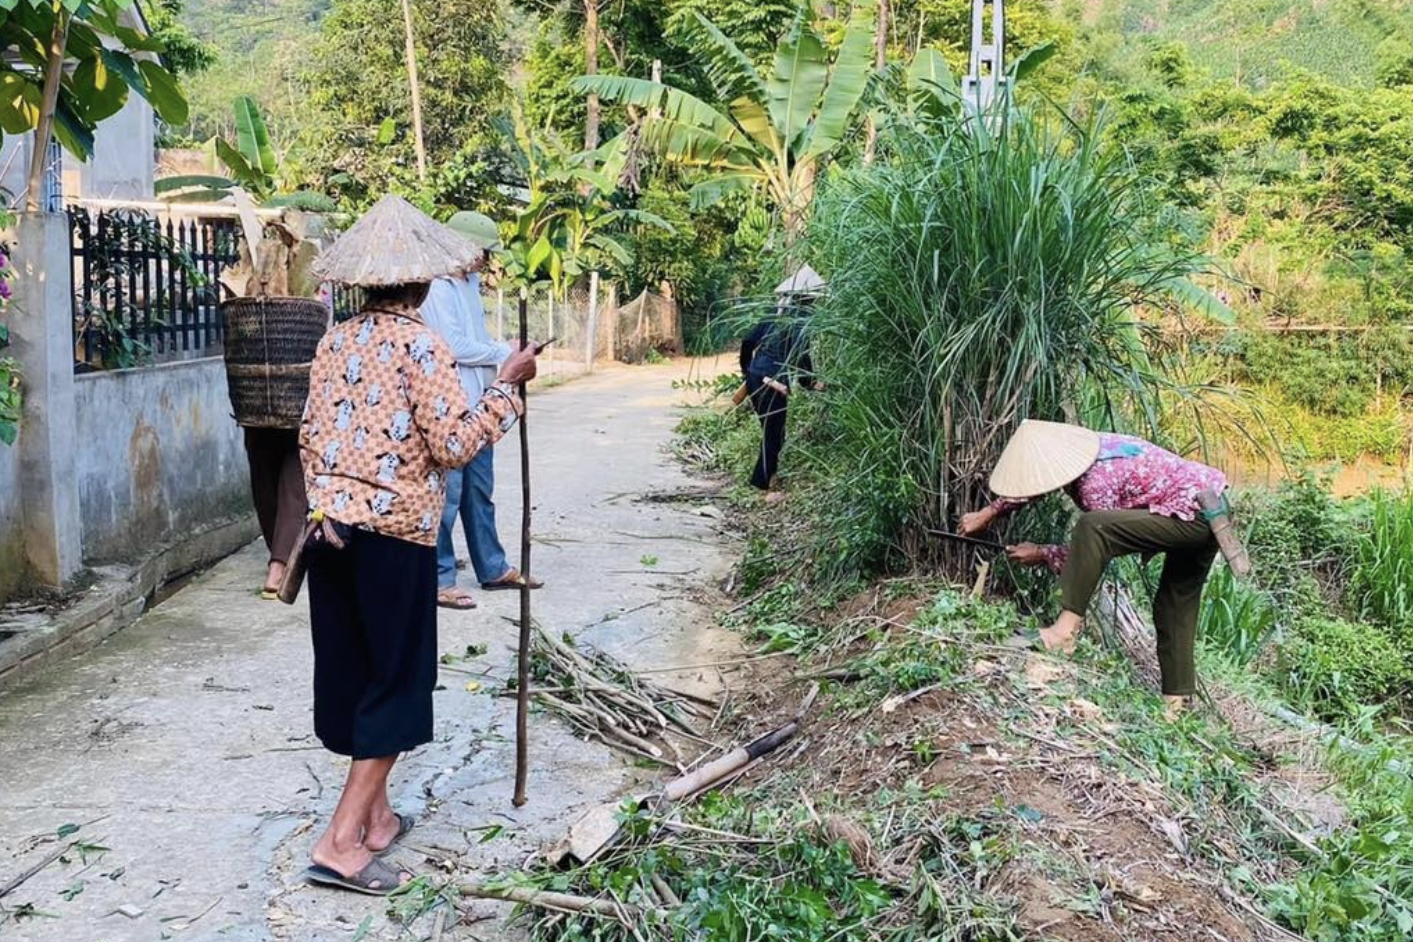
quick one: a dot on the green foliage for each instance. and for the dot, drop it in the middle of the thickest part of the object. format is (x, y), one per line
(756, 27)
(1360, 887)
(251, 161)
(799, 884)
(103, 64)
(1381, 582)
(358, 83)
(1236, 620)
(1335, 668)
(183, 52)
(262, 52)
(553, 62)
(978, 276)
(571, 225)
(779, 126)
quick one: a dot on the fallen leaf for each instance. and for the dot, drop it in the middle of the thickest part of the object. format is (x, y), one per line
(1086, 710)
(473, 686)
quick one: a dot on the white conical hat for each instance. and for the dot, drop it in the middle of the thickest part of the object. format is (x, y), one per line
(804, 281)
(395, 243)
(1042, 457)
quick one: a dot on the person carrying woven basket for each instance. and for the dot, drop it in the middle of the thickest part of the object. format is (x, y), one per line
(386, 422)
(1134, 497)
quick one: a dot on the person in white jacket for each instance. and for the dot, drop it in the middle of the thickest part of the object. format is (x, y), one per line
(454, 310)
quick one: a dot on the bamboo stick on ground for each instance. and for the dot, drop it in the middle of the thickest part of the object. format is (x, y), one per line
(562, 902)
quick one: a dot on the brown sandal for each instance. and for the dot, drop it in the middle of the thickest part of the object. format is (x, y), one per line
(511, 580)
(455, 599)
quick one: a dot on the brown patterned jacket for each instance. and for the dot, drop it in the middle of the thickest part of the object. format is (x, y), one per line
(385, 420)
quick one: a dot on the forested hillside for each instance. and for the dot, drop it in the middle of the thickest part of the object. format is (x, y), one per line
(262, 49)
(1256, 41)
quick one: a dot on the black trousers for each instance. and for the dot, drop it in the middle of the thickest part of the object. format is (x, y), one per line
(373, 612)
(277, 487)
(770, 406)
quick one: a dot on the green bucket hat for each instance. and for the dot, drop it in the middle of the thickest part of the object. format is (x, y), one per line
(478, 227)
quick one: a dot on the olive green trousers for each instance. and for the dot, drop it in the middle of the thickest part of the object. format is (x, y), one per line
(1188, 548)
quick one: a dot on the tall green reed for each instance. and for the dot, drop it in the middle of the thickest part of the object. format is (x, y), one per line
(980, 274)
(1381, 580)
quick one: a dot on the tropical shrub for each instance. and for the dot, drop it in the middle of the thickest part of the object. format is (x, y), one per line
(980, 273)
(1335, 668)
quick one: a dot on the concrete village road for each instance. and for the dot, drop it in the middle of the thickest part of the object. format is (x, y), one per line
(183, 746)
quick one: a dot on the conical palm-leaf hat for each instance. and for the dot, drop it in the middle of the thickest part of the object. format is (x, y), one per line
(395, 243)
(804, 281)
(1042, 457)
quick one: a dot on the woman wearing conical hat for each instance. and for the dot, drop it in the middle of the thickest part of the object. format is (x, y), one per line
(1135, 498)
(386, 422)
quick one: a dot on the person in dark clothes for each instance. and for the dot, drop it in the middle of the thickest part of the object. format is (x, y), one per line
(277, 489)
(775, 355)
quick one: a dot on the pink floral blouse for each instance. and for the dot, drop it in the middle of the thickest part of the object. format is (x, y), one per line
(1132, 474)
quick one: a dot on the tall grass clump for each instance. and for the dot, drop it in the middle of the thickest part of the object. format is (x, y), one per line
(980, 274)
(1381, 583)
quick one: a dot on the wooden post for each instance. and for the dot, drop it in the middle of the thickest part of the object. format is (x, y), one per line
(593, 321)
(551, 329)
(416, 87)
(522, 692)
(500, 314)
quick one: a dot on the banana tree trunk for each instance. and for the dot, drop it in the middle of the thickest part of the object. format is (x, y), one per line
(795, 204)
(44, 130)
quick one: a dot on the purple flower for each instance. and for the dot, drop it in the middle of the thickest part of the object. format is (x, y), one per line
(5, 291)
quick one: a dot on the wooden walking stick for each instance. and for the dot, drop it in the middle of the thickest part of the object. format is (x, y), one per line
(522, 690)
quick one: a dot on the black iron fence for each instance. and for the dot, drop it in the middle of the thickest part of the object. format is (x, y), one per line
(346, 301)
(146, 289)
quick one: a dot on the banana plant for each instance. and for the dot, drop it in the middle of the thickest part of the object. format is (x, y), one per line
(570, 225)
(776, 129)
(251, 163)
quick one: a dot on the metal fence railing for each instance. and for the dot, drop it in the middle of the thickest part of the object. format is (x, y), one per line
(145, 289)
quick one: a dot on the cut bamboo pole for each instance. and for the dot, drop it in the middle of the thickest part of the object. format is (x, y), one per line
(522, 698)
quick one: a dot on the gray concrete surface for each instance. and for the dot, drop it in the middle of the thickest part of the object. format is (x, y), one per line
(161, 455)
(183, 745)
(12, 522)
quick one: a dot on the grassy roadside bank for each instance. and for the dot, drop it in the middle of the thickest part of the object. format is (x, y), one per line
(946, 787)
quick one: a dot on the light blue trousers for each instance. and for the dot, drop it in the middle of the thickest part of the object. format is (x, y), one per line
(469, 495)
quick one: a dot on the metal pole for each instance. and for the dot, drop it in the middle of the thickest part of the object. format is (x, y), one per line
(593, 320)
(500, 314)
(522, 691)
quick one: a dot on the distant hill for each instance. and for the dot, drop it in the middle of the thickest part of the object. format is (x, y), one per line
(263, 46)
(1259, 40)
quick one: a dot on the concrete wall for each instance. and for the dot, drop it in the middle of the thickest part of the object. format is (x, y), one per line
(123, 166)
(158, 456)
(12, 545)
(124, 157)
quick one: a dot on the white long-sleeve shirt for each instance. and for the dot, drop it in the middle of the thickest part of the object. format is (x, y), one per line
(453, 309)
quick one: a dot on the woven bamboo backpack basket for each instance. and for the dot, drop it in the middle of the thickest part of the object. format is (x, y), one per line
(270, 344)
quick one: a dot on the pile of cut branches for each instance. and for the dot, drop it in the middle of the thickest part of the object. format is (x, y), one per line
(603, 699)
